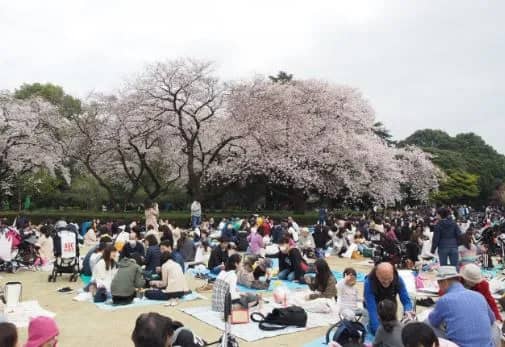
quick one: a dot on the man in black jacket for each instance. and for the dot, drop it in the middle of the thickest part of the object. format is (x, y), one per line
(219, 256)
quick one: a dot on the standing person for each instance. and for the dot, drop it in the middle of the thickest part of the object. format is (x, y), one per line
(445, 238)
(461, 315)
(152, 213)
(383, 282)
(196, 214)
(323, 215)
(389, 333)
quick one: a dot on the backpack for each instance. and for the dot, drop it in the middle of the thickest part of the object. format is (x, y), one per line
(347, 331)
(281, 318)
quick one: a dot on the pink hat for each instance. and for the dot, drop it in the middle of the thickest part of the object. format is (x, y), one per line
(41, 330)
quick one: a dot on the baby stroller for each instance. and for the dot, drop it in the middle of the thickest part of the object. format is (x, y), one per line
(27, 254)
(66, 251)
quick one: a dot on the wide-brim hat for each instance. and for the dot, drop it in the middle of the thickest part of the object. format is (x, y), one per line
(447, 272)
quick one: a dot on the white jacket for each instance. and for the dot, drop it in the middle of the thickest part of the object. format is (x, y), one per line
(101, 276)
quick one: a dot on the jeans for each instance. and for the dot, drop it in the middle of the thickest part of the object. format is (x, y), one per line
(447, 255)
(216, 270)
(123, 300)
(195, 221)
(157, 294)
(286, 275)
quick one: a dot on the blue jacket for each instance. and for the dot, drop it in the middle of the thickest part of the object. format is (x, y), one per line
(153, 258)
(371, 300)
(445, 235)
(466, 315)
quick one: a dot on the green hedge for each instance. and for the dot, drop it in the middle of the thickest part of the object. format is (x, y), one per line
(180, 218)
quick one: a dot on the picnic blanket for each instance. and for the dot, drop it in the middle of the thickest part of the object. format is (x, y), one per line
(109, 306)
(251, 332)
(276, 282)
(21, 314)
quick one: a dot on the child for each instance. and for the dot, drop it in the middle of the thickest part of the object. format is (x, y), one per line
(42, 332)
(8, 335)
(389, 333)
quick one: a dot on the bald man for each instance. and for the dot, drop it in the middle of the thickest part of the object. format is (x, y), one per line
(382, 283)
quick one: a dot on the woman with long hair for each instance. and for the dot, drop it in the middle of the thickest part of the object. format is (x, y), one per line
(103, 273)
(324, 284)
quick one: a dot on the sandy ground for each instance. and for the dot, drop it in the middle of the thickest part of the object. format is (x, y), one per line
(82, 324)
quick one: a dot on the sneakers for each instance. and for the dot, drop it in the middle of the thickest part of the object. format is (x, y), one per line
(205, 288)
(426, 302)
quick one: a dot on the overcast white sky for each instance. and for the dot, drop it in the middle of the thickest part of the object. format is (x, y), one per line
(422, 64)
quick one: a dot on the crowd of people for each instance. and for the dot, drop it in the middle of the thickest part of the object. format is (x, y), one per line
(128, 258)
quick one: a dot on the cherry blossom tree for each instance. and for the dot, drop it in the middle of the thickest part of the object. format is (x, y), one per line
(316, 137)
(25, 143)
(188, 100)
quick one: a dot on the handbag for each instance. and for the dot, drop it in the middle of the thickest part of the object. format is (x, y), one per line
(281, 318)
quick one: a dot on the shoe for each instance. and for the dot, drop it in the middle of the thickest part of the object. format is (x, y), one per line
(205, 288)
(426, 302)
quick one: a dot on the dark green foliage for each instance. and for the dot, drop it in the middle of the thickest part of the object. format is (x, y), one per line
(282, 77)
(67, 104)
(466, 154)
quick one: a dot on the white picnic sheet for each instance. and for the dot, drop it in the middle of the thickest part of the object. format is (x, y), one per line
(251, 332)
(21, 314)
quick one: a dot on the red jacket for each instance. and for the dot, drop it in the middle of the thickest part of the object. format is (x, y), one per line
(483, 288)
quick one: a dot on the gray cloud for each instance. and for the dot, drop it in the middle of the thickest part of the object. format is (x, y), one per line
(424, 64)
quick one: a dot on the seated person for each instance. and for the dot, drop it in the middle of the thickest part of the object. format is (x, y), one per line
(103, 273)
(229, 278)
(127, 280)
(219, 256)
(8, 334)
(418, 334)
(45, 243)
(255, 240)
(42, 332)
(153, 255)
(390, 329)
(175, 255)
(324, 283)
(306, 243)
(134, 248)
(246, 272)
(166, 234)
(468, 251)
(292, 266)
(155, 330)
(462, 316)
(173, 284)
(186, 247)
(90, 238)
